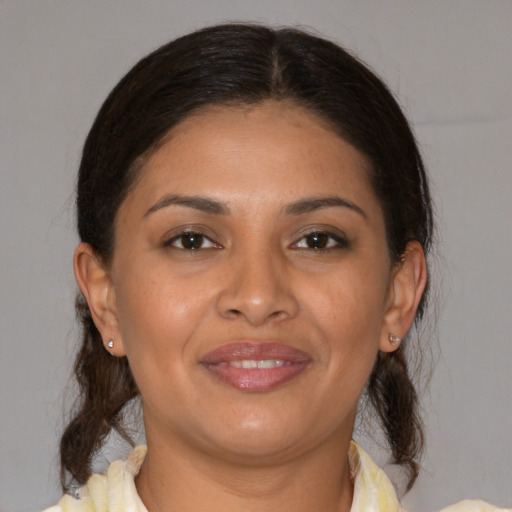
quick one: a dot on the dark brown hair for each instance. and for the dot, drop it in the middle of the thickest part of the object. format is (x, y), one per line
(234, 65)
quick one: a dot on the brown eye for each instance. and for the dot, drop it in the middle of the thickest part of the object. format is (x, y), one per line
(321, 240)
(191, 241)
(317, 240)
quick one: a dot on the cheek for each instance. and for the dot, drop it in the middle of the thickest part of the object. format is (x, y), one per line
(349, 311)
(157, 311)
(351, 302)
(156, 320)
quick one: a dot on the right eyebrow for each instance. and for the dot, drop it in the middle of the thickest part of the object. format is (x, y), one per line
(203, 204)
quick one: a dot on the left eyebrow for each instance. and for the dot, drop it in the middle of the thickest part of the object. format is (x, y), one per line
(317, 203)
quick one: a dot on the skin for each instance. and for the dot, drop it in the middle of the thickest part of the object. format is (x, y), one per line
(257, 276)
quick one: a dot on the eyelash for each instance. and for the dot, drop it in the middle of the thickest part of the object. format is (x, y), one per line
(331, 241)
(327, 241)
(182, 237)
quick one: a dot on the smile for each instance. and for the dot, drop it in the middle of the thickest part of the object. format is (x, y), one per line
(255, 367)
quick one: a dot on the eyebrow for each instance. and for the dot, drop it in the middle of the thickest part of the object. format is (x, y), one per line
(213, 207)
(316, 203)
(197, 203)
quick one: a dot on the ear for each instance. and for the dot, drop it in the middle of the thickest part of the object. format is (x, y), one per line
(94, 281)
(407, 285)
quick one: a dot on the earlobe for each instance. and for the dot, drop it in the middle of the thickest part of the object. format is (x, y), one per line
(406, 289)
(95, 284)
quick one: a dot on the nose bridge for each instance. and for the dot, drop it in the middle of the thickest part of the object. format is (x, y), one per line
(256, 286)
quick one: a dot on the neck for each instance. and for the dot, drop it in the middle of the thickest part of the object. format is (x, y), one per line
(177, 477)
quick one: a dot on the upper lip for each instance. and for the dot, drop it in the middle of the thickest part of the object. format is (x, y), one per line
(251, 350)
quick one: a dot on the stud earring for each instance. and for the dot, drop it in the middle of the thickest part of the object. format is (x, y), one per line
(395, 340)
(110, 343)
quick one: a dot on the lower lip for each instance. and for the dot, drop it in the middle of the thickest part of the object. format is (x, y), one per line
(256, 379)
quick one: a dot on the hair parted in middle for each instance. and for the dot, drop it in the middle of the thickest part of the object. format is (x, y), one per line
(236, 65)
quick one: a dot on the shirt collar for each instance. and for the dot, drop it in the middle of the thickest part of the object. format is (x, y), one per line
(373, 491)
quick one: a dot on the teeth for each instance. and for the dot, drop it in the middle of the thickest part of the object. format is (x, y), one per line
(250, 363)
(270, 363)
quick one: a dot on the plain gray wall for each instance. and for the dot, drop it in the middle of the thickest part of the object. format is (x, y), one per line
(449, 62)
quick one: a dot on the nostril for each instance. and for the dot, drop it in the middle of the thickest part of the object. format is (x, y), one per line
(257, 296)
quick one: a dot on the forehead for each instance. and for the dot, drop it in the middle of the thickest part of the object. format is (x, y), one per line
(275, 146)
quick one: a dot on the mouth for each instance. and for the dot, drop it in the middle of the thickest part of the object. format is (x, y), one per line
(251, 366)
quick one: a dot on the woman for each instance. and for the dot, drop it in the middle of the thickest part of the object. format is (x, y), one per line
(254, 217)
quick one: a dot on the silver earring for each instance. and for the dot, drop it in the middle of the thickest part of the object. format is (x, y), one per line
(110, 343)
(395, 340)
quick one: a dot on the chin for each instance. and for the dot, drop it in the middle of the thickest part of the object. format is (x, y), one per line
(259, 440)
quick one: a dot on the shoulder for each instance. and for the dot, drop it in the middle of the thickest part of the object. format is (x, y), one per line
(113, 492)
(374, 491)
(474, 506)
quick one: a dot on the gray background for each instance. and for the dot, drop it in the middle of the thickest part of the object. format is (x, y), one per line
(449, 62)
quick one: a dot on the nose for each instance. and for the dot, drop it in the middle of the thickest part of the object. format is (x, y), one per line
(257, 288)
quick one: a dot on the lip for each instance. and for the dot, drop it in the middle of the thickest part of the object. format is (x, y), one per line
(217, 362)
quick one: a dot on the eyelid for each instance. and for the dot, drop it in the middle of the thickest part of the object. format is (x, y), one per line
(171, 239)
(339, 238)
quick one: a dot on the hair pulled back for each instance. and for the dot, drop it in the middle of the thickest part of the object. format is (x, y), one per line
(235, 65)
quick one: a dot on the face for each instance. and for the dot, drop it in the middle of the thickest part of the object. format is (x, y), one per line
(251, 284)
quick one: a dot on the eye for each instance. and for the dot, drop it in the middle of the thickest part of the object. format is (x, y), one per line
(191, 241)
(320, 240)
